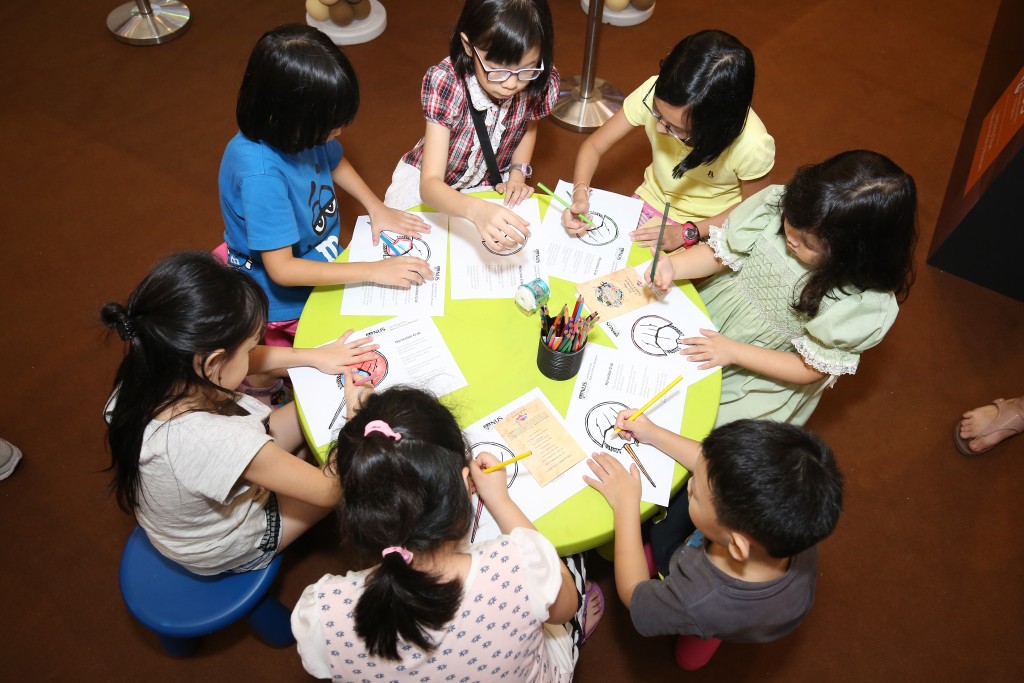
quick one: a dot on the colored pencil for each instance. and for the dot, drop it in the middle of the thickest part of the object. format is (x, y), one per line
(505, 463)
(390, 244)
(565, 204)
(476, 521)
(632, 454)
(661, 236)
(651, 402)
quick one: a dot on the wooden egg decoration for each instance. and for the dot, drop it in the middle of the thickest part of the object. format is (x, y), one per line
(360, 8)
(616, 5)
(341, 13)
(317, 10)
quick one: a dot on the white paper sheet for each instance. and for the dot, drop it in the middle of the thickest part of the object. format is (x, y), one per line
(367, 298)
(604, 248)
(479, 273)
(533, 500)
(611, 381)
(411, 352)
(655, 331)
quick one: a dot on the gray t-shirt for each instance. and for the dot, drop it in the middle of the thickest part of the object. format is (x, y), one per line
(193, 505)
(697, 598)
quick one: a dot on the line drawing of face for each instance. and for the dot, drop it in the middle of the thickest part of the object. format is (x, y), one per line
(656, 336)
(501, 452)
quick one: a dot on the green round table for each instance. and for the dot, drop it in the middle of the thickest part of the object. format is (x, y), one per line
(495, 346)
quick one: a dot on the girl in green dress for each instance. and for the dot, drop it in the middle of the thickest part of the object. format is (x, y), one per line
(806, 277)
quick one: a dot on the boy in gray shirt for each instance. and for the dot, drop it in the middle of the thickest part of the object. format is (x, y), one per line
(742, 562)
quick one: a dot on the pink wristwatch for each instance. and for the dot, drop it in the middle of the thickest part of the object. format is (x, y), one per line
(691, 235)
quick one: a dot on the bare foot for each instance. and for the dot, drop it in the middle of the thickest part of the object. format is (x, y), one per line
(593, 609)
(977, 421)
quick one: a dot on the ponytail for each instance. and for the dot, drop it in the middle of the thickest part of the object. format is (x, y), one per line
(404, 488)
(189, 306)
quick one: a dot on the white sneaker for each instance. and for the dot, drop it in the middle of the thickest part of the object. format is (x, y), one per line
(10, 456)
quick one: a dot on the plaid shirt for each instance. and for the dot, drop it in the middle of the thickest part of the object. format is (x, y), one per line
(444, 103)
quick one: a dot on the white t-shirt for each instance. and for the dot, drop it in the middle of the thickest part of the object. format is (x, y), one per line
(192, 503)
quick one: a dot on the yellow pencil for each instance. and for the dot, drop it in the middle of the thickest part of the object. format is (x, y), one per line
(506, 463)
(651, 402)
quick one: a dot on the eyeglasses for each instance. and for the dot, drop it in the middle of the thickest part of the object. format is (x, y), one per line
(669, 128)
(502, 75)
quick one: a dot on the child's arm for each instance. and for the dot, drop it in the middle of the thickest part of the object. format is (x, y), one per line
(587, 159)
(622, 491)
(493, 490)
(281, 472)
(288, 271)
(697, 261)
(495, 223)
(381, 217)
(647, 235)
(714, 349)
(676, 446)
(331, 358)
(516, 190)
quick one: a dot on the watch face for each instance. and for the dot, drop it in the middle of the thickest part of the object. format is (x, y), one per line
(691, 234)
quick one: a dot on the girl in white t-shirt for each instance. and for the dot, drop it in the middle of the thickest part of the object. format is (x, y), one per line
(436, 608)
(209, 472)
(709, 150)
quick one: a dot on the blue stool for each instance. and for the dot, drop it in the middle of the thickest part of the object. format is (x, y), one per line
(181, 607)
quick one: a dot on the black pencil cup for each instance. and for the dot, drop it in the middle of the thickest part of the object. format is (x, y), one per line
(555, 365)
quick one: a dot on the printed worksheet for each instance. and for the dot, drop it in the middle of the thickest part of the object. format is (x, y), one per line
(605, 246)
(525, 490)
(482, 271)
(368, 298)
(616, 294)
(611, 381)
(411, 352)
(656, 330)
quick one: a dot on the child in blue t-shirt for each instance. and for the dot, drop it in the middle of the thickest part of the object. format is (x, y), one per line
(738, 550)
(278, 174)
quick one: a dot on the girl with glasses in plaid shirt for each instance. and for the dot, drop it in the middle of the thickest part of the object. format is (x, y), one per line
(500, 65)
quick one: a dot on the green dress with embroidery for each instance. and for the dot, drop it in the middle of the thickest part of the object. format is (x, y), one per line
(751, 302)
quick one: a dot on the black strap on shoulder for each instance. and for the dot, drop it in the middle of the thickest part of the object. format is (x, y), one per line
(485, 142)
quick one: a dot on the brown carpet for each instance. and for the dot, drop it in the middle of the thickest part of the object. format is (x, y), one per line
(110, 161)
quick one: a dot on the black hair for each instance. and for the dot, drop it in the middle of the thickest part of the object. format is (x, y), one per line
(297, 89)
(408, 493)
(506, 30)
(713, 73)
(863, 209)
(775, 482)
(189, 306)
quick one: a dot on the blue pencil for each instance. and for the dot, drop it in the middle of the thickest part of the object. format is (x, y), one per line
(390, 244)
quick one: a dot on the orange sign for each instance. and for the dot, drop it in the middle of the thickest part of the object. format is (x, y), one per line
(998, 128)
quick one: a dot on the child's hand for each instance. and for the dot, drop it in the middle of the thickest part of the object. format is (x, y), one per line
(619, 487)
(334, 357)
(515, 192)
(570, 217)
(499, 226)
(647, 235)
(664, 274)
(491, 487)
(357, 388)
(641, 429)
(713, 349)
(403, 271)
(401, 222)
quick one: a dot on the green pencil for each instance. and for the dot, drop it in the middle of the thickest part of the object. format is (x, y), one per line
(564, 203)
(661, 235)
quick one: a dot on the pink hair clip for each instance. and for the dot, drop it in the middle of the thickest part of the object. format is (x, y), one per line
(381, 427)
(406, 555)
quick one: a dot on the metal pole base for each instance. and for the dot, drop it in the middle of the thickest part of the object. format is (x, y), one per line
(585, 115)
(168, 20)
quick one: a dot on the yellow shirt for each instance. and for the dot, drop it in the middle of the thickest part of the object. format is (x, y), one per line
(705, 190)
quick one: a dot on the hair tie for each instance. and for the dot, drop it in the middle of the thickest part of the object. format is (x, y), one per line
(125, 330)
(406, 555)
(382, 427)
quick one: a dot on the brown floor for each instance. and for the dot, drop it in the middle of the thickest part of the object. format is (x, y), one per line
(922, 580)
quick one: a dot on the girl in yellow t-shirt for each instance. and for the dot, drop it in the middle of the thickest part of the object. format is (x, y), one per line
(709, 149)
